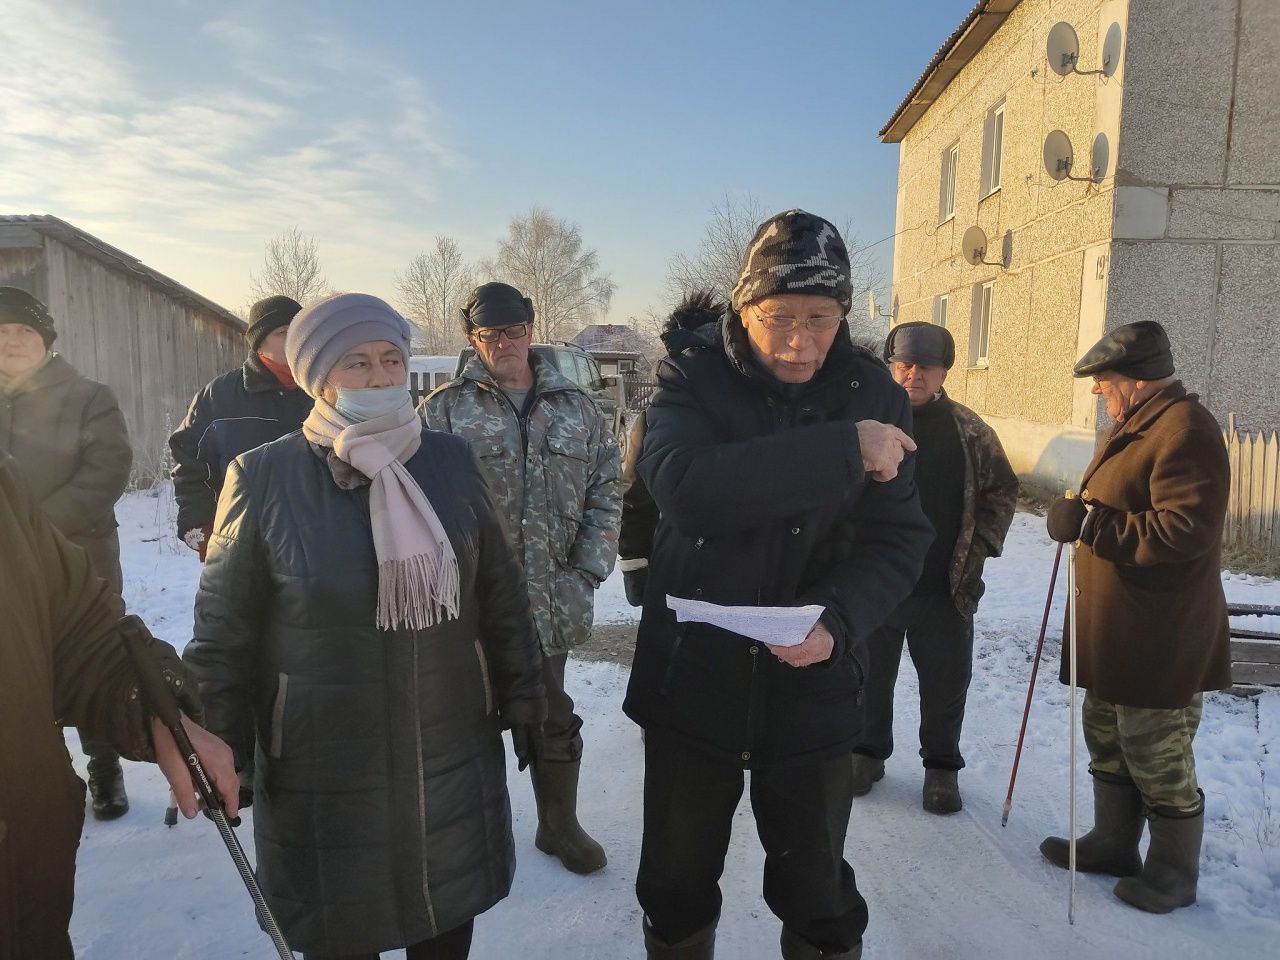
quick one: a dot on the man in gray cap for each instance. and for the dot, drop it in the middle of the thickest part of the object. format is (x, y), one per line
(552, 464)
(969, 493)
(1151, 619)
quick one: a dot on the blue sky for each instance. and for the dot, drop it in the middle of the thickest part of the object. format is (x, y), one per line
(187, 137)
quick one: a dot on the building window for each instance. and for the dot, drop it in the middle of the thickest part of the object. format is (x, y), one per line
(980, 328)
(992, 148)
(947, 192)
(940, 309)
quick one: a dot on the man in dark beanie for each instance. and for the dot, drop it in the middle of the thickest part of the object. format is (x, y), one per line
(240, 410)
(1151, 618)
(759, 441)
(69, 438)
(552, 463)
(969, 493)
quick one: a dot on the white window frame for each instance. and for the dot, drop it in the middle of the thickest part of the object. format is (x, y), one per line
(984, 295)
(947, 182)
(941, 305)
(992, 150)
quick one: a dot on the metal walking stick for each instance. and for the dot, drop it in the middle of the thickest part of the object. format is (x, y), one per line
(1035, 669)
(1071, 670)
(155, 689)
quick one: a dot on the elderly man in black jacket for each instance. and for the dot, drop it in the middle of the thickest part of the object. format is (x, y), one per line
(757, 446)
(254, 404)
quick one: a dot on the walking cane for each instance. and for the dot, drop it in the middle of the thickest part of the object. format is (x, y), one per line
(1071, 816)
(160, 698)
(1035, 669)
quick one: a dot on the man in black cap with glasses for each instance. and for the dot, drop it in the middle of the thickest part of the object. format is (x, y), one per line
(552, 465)
(969, 493)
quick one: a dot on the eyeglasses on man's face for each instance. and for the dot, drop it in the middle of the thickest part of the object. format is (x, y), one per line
(781, 323)
(516, 331)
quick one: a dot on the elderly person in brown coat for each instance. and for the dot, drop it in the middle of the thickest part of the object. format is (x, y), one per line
(62, 661)
(1151, 629)
(69, 438)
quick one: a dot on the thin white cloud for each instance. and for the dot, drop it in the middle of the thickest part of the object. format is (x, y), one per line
(339, 141)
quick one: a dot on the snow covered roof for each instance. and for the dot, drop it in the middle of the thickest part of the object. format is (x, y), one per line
(610, 338)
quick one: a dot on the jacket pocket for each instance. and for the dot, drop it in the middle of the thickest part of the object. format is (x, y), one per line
(276, 747)
(484, 679)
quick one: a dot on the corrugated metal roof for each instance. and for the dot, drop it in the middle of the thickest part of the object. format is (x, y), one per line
(86, 243)
(956, 51)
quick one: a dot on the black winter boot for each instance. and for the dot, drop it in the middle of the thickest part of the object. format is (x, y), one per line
(1169, 877)
(795, 947)
(555, 787)
(942, 791)
(867, 771)
(106, 785)
(1111, 847)
(700, 945)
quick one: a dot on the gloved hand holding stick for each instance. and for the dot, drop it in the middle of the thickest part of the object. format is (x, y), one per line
(159, 697)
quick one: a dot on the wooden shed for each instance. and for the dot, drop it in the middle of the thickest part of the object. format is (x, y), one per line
(150, 339)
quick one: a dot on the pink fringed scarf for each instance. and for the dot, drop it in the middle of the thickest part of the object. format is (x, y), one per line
(417, 568)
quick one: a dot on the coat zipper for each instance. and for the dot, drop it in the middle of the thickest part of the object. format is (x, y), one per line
(422, 794)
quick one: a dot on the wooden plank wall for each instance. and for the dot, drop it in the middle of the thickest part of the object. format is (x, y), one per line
(153, 350)
(1253, 511)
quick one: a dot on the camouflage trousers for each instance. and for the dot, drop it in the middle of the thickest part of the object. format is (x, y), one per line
(1150, 747)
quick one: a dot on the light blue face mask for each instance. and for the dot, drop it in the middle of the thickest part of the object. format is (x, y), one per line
(359, 404)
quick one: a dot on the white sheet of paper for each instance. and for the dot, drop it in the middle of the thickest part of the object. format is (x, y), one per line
(778, 626)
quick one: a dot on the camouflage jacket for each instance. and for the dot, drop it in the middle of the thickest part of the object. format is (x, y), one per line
(990, 498)
(557, 491)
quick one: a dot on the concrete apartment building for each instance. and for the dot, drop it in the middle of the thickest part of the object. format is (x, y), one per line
(1181, 226)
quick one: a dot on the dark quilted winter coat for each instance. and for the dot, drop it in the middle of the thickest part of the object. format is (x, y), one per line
(233, 414)
(69, 438)
(750, 477)
(1152, 628)
(61, 662)
(381, 815)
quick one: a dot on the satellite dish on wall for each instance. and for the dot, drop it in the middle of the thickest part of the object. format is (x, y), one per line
(1100, 156)
(1112, 48)
(973, 247)
(1062, 50)
(1057, 155)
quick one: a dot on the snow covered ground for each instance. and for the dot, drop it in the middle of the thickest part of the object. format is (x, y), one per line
(952, 887)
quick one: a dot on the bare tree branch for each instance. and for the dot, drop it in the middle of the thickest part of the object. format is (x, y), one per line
(544, 257)
(431, 292)
(290, 267)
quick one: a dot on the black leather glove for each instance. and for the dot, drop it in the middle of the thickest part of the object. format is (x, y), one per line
(526, 740)
(633, 582)
(1065, 519)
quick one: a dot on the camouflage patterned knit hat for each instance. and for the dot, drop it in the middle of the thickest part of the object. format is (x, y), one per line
(795, 252)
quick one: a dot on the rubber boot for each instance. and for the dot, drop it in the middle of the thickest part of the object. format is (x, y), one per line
(555, 787)
(106, 785)
(942, 791)
(866, 772)
(795, 947)
(1111, 847)
(700, 945)
(1169, 877)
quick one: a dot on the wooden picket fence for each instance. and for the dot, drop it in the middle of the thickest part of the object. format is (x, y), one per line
(1253, 511)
